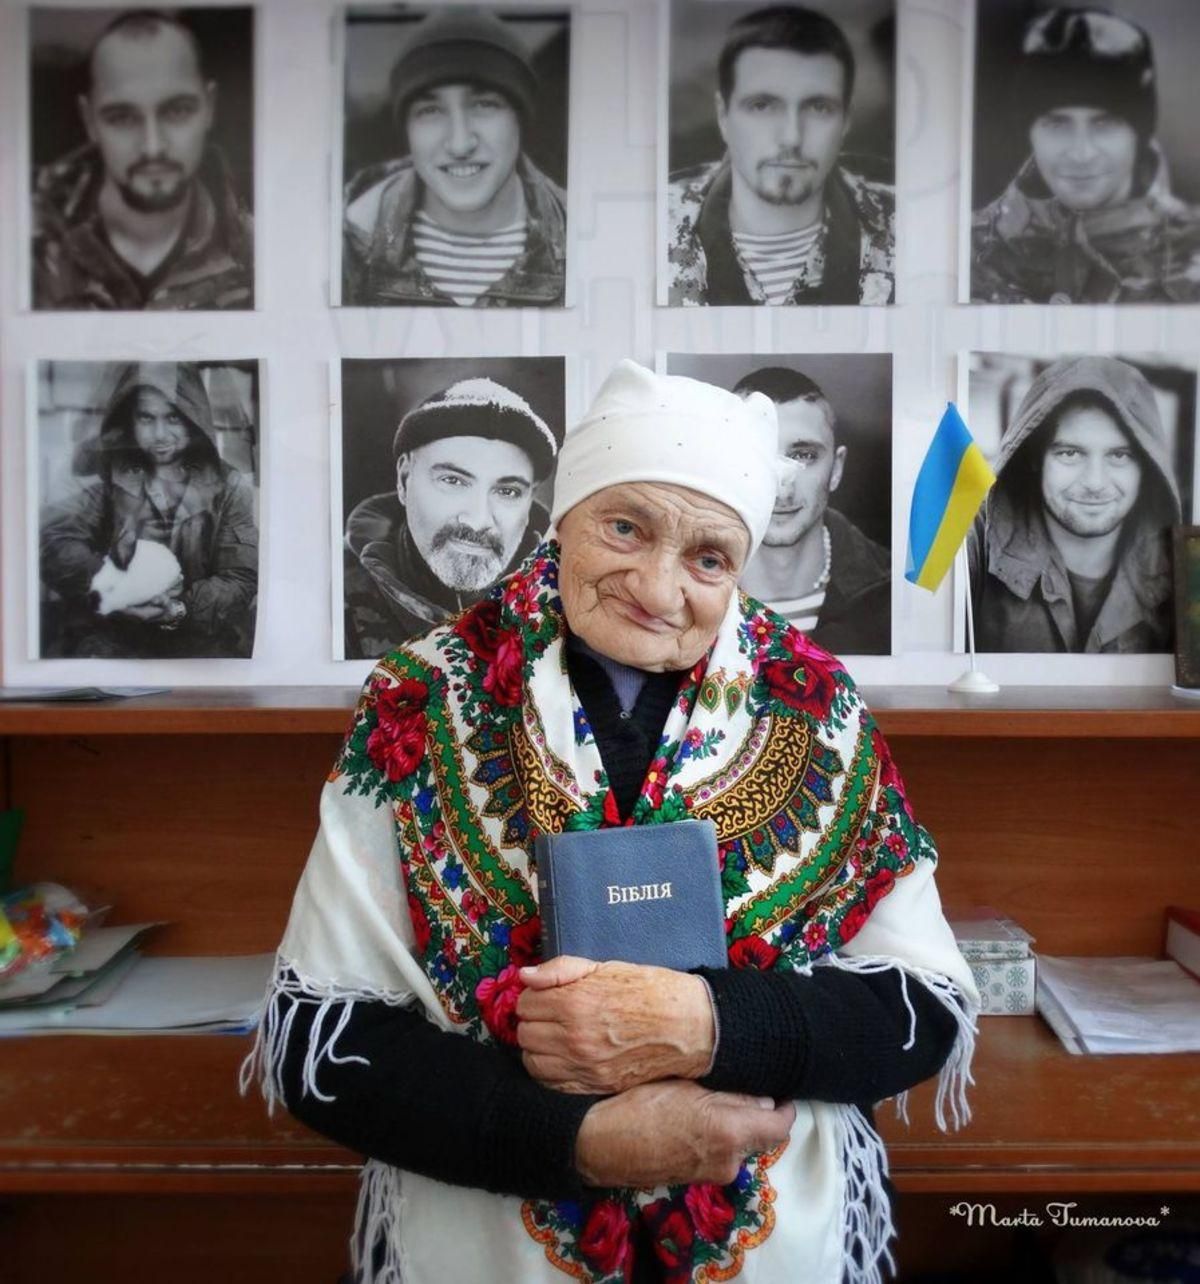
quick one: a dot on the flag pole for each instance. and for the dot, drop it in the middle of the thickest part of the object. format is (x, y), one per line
(973, 681)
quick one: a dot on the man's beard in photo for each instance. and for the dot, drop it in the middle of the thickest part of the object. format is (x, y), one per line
(794, 190)
(158, 201)
(461, 570)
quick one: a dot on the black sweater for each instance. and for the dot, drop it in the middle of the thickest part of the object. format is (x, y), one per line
(467, 1113)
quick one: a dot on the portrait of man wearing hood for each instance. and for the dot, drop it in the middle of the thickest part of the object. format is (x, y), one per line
(1071, 551)
(463, 474)
(153, 473)
(1090, 215)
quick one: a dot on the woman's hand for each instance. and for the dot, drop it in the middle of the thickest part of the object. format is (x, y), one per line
(607, 1027)
(669, 1133)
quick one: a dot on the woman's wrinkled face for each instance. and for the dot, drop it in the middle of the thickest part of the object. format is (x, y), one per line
(647, 572)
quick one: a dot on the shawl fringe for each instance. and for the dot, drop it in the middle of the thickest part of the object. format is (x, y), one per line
(377, 1221)
(955, 1076)
(867, 1224)
(289, 989)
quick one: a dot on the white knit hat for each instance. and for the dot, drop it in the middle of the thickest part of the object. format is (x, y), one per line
(644, 427)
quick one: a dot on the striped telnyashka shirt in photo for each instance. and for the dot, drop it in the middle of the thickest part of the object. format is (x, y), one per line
(777, 260)
(463, 265)
(802, 611)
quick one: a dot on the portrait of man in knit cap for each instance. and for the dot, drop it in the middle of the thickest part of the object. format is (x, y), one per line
(446, 470)
(1085, 171)
(1094, 459)
(148, 497)
(142, 146)
(825, 561)
(781, 155)
(454, 164)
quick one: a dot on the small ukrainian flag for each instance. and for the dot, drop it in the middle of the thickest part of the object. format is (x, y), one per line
(951, 485)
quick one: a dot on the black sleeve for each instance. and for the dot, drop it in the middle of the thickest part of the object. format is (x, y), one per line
(831, 1036)
(437, 1103)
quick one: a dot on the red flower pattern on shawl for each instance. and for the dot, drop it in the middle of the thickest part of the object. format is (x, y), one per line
(499, 649)
(712, 1213)
(497, 996)
(753, 951)
(805, 680)
(878, 885)
(525, 942)
(816, 936)
(604, 1240)
(655, 785)
(397, 743)
(420, 922)
(889, 775)
(852, 922)
(673, 1235)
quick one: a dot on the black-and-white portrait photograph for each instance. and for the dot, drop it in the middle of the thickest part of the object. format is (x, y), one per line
(454, 157)
(781, 123)
(1094, 459)
(147, 480)
(826, 559)
(142, 142)
(447, 470)
(1085, 166)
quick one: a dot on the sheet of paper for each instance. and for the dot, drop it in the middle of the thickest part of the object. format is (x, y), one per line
(29, 983)
(97, 946)
(80, 991)
(1125, 1004)
(69, 695)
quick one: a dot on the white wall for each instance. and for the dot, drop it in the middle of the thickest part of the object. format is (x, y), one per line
(616, 92)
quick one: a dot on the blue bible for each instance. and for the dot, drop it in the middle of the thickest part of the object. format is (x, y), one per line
(641, 894)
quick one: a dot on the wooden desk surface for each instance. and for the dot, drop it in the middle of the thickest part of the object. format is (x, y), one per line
(162, 1113)
(919, 711)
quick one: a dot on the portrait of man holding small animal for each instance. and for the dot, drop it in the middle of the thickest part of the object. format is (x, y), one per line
(149, 545)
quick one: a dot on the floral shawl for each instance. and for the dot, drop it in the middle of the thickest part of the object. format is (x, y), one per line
(469, 741)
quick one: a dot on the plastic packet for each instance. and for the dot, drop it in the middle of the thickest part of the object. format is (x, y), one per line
(46, 920)
(10, 947)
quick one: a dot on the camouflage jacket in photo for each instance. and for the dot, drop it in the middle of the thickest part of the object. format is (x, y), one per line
(1027, 247)
(703, 267)
(379, 261)
(76, 269)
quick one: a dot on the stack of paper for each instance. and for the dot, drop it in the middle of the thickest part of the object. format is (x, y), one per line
(1119, 1005)
(105, 986)
(81, 977)
(1183, 938)
(1001, 963)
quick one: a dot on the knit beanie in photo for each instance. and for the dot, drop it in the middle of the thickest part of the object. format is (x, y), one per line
(463, 45)
(644, 427)
(1086, 58)
(480, 408)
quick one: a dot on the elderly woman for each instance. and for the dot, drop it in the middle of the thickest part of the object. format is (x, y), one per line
(603, 1120)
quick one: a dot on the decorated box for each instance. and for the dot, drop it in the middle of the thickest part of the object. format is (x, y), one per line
(1001, 961)
(1005, 986)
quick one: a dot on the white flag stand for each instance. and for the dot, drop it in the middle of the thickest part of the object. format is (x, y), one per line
(973, 681)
